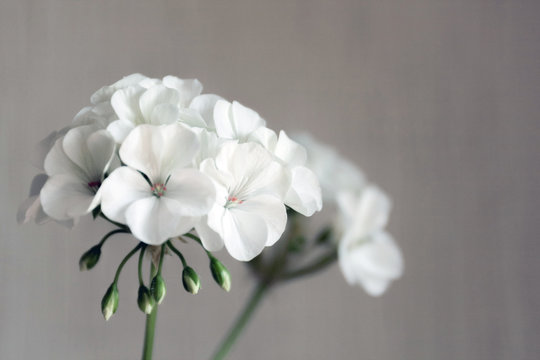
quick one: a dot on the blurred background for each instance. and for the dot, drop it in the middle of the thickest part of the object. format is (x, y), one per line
(437, 101)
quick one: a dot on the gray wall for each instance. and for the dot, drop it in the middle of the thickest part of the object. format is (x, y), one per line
(438, 101)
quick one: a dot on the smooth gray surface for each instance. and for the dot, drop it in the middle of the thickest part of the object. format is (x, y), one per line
(438, 101)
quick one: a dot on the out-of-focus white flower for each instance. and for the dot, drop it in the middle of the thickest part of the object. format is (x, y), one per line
(155, 102)
(304, 195)
(76, 166)
(249, 213)
(335, 173)
(368, 255)
(155, 194)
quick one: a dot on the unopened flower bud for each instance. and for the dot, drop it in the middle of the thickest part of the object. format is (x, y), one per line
(158, 289)
(109, 303)
(90, 258)
(190, 279)
(221, 274)
(145, 300)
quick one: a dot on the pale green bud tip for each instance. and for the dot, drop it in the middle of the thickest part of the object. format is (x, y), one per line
(221, 274)
(145, 300)
(90, 258)
(109, 303)
(158, 289)
(190, 279)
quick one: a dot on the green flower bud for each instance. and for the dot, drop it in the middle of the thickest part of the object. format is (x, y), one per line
(90, 258)
(145, 300)
(158, 289)
(190, 279)
(109, 303)
(220, 274)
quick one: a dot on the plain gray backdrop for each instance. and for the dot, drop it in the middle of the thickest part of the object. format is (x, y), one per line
(438, 102)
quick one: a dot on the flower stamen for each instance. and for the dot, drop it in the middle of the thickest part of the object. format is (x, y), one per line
(94, 185)
(159, 190)
(233, 200)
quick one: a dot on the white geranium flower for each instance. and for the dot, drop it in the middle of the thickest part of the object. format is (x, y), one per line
(76, 166)
(249, 213)
(235, 121)
(335, 173)
(155, 194)
(368, 256)
(155, 102)
(304, 195)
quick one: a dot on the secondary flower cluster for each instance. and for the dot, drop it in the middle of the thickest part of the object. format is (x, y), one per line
(368, 256)
(162, 159)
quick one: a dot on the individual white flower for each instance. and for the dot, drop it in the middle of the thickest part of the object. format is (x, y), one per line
(154, 102)
(368, 255)
(155, 194)
(335, 173)
(76, 166)
(304, 195)
(249, 213)
(235, 121)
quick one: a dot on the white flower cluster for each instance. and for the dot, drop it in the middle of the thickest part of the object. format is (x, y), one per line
(161, 158)
(368, 256)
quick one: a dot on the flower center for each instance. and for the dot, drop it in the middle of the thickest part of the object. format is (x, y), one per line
(159, 190)
(94, 185)
(233, 200)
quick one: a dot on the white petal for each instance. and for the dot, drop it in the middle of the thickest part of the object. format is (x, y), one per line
(193, 190)
(152, 221)
(45, 145)
(222, 120)
(123, 187)
(372, 264)
(154, 96)
(31, 208)
(65, 197)
(57, 162)
(120, 129)
(187, 88)
(244, 233)
(304, 195)
(101, 148)
(157, 151)
(253, 169)
(204, 105)
(271, 210)
(191, 117)
(125, 103)
(164, 114)
(372, 212)
(245, 120)
(289, 151)
(210, 239)
(266, 137)
(28, 210)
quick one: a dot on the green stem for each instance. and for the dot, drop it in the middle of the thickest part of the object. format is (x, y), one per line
(177, 252)
(315, 266)
(141, 257)
(241, 321)
(150, 327)
(124, 261)
(111, 233)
